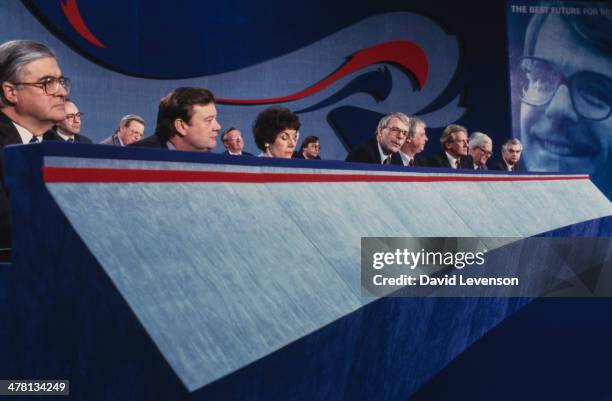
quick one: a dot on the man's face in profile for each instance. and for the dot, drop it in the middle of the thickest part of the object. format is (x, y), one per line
(459, 146)
(571, 132)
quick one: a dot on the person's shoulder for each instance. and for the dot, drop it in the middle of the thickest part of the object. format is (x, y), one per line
(109, 141)
(152, 141)
(498, 165)
(437, 160)
(52, 135)
(365, 152)
(8, 132)
(82, 139)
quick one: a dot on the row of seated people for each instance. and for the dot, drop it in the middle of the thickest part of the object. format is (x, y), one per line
(33, 107)
(399, 139)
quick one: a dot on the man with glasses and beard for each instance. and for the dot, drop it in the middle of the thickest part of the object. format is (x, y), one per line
(31, 102)
(384, 147)
(565, 83)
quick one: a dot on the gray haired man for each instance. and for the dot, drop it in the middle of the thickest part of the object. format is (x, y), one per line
(31, 102)
(131, 129)
(481, 149)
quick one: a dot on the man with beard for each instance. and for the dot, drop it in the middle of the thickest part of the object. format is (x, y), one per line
(384, 147)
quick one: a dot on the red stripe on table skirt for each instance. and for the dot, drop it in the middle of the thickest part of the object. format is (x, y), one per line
(93, 175)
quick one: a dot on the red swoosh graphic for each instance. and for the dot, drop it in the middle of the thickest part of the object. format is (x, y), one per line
(71, 11)
(403, 53)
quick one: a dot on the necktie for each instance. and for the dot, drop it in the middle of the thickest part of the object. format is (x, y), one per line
(456, 163)
(387, 161)
(411, 162)
(33, 140)
(71, 140)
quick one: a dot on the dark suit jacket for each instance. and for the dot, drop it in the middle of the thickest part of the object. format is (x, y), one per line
(152, 141)
(8, 136)
(501, 165)
(111, 140)
(440, 160)
(299, 155)
(52, 135)
(367, 152)
(243, 153)
(419, 161)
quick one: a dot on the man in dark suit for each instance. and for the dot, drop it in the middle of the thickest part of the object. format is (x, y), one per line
(69, 129)
(31, 102)
(311, 146)
(186, 120)
(481, 149)
(233, 142)
(384, 147)
(454, 153)
(131, 129)
(415, 144)
(511, 155)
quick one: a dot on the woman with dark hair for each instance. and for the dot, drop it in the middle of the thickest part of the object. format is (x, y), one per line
(276, 132)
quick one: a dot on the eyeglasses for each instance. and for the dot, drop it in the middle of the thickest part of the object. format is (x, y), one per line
(74, 116)
(591, 93)
(486, 152)
(397, 131)
(50, 84)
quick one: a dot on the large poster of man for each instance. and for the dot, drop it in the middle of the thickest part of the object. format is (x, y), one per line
(561, 86)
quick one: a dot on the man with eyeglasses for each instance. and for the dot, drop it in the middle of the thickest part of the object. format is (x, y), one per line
(131, 129)
(454, 153)
(384, 147)
(481, 149)
(69, 129)
(415, 144)
(31, 102)
(565, 83)
(511, 155)
(233, 142)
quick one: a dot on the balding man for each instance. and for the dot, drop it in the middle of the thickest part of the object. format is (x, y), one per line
(31, 102)
(69, 130)
(233, 142)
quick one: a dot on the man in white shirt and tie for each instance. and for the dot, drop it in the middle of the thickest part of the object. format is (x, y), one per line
(69, 129)
(31, 102)
(415, 143)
